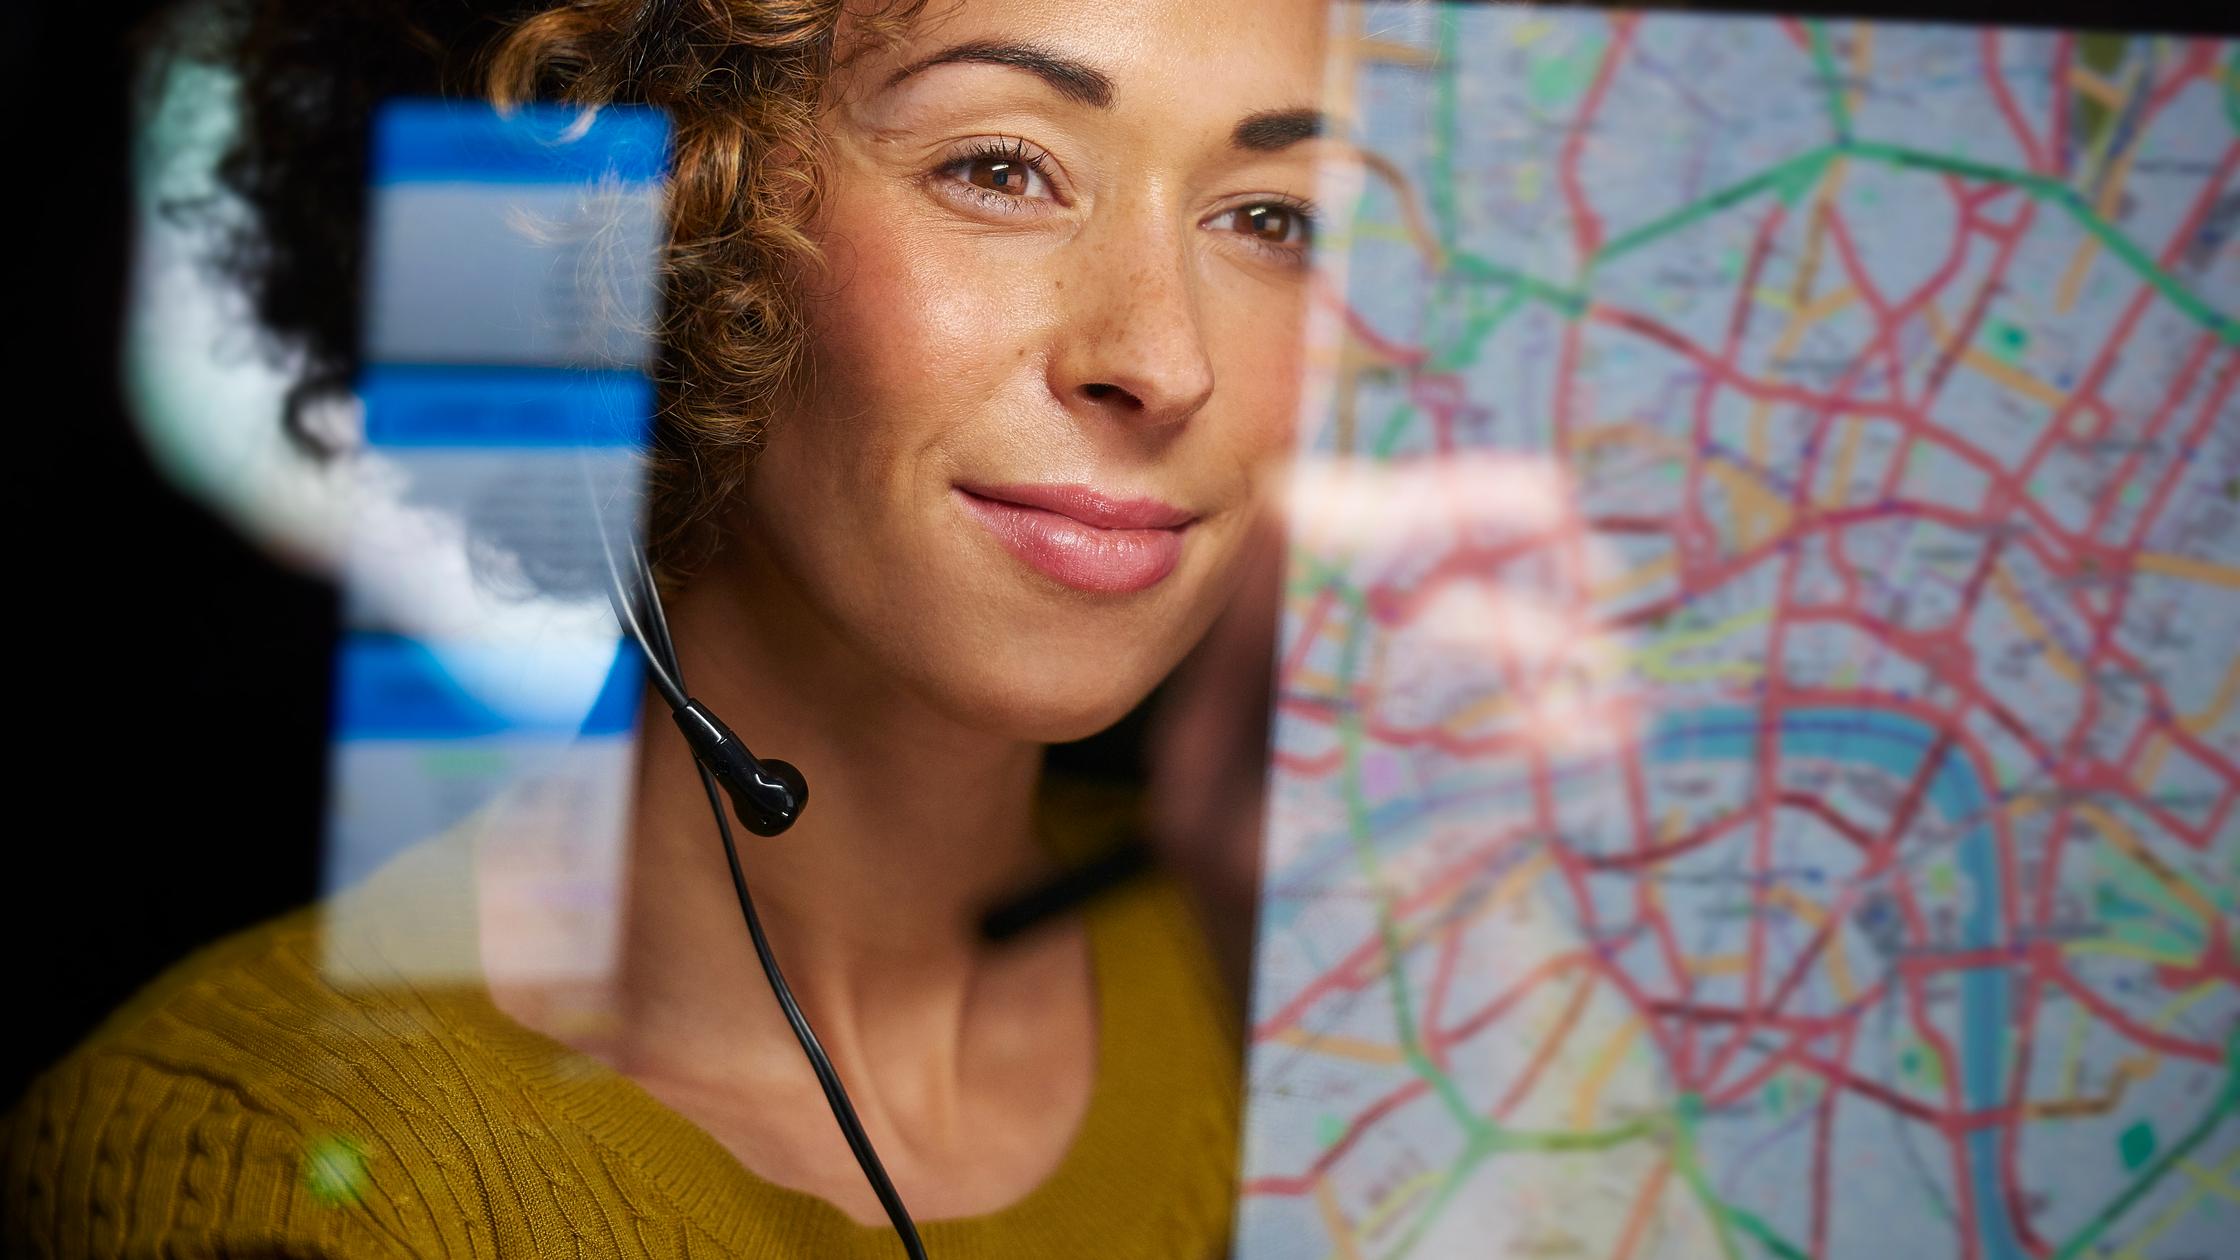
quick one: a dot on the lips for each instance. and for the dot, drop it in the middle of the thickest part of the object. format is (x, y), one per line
(1080, 537)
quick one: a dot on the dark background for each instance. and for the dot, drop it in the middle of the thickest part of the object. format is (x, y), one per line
(173, 682)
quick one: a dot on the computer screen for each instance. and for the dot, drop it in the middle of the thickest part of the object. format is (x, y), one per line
(1757, 733)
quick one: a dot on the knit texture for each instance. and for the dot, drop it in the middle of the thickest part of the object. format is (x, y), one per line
(249, 1103)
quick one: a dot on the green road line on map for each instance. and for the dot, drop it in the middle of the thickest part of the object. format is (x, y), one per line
(2046, 188)
(1569, 301)
(1394, 425)
(1793, 177)
(1839, 110)
(1684, 1162)
(1473, 1154)
(1474, 335)
(2227, 1100)
(2232, 89)
(1790, 179)
(1492, 1140)
(1365, 856)
(1443, 111)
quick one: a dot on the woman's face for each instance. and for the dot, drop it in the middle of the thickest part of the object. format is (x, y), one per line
(1054, 350)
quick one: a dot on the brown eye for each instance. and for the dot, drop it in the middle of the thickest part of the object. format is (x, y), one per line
(1272, 224)
(999, 174)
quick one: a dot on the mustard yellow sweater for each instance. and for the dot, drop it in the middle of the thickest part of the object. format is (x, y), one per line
(246, 1105)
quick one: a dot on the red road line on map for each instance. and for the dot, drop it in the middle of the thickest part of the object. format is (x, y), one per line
(1644, 898)
(1546, 1051)
(1303, 1183)
(2010, 1135)
(1881, 856)
(1964, 335)
(1310, 767)
(2110, 1014)
(1347, 972)
(2064, 51)
(1586, 225)
(1695, 838)
(1823, 1125)
(1819, 808)
(1310, 629)
(1948, 1071)
(2201, 59)
(1442, 981)
(2128, 470)
(1542, 972)
(1997, 78)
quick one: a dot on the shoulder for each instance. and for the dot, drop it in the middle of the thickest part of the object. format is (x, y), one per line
(220, 1103)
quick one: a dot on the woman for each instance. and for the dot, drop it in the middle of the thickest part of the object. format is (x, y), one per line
(983, 329)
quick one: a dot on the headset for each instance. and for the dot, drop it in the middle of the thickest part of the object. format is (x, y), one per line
(768, 796)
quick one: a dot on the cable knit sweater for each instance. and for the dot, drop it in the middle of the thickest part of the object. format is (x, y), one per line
(275, 1096)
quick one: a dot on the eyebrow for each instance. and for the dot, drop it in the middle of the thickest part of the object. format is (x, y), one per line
(1077, 81)
(1071, 79)
(1273, 129)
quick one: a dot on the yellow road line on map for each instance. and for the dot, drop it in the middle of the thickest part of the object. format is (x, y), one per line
(2228, 691)
(1588, 1099)
(2182, 1003)
(2149, 766)
(1815, 916)
(1650, 660)
(2187, 567)
(1637, 1217)
(1498, 704)
(1847, 454)
(1820, 308)
(2169, 1216)
(1718, 964)
(1752, 500)
(2111, 198)
(2136, 849)
(2207, 1179)
(1338, 1046)
(1334, 1220)
(2115, 947)
(2126, 1072)
(1803, 310)
(1634, 579)
(1374, 1219)
(2027, 617)
(1586, 440)
(2092, 85)
(2072, 277)
(2072, 1054)
(1862, 65)
(2005, 373)
(1392, 52)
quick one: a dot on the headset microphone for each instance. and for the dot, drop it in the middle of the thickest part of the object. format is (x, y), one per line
(768, 795)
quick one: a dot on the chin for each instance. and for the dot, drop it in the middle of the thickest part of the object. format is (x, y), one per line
(1048, 699)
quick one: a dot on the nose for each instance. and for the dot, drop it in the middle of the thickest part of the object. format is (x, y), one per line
(1132, 345)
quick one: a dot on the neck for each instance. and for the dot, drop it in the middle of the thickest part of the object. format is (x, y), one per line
(914, 824)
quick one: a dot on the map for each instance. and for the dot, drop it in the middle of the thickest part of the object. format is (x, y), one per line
(1757, 754)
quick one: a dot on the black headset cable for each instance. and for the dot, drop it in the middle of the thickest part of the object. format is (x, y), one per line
(661, 658)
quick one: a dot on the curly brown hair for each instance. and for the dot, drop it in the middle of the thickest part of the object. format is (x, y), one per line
(742, 82)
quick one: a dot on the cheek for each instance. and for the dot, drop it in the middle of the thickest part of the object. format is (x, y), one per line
(1259, 360)
(911, 325)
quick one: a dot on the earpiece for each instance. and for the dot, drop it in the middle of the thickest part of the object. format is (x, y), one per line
(768, 795)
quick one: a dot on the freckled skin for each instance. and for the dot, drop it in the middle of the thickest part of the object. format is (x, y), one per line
(1114, 338)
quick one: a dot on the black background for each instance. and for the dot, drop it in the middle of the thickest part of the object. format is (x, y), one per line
(169, 683)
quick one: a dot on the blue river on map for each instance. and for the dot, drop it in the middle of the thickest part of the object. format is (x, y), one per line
(1895, 744)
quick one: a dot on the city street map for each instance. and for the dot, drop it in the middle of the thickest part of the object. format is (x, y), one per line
(1757, 747)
